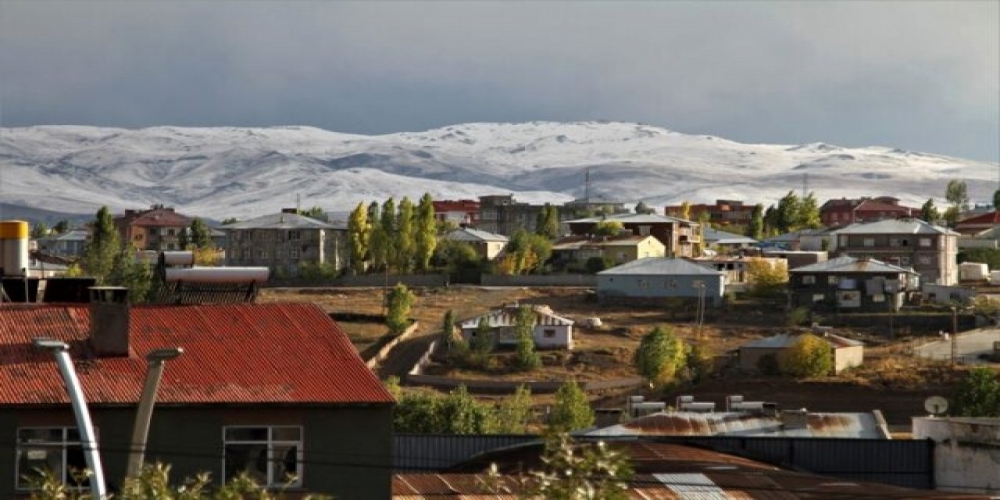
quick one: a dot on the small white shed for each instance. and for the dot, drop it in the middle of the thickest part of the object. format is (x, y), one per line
(550, 331)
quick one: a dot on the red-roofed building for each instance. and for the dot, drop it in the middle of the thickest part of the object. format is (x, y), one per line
(461, 212)
(158, 228)
(979, 223)
(268, 388)
(842, 212)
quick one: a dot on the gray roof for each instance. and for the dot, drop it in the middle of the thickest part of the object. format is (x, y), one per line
(784, 340)
(279, 221)
(665, 266)
(631, 219)
(475, 235)
(895, 226)
(71, 235)
(848, 264)
(723, 238)
(796, 235)
(827, 425)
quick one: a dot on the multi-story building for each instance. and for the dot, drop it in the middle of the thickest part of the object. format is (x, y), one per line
(458, 212)
(930, 250)
(285, 241)
(500, 214)
(682, 238)
(723, 212)
(158, 228)
(846, 211)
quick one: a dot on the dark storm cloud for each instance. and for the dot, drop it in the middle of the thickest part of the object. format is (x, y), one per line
(917, 75)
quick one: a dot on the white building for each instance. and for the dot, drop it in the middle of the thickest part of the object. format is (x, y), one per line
(550, 331)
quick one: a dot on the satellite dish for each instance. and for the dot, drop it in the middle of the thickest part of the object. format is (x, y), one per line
(936, 405)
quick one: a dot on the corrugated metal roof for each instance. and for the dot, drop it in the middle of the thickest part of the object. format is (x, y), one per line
(233, 353)
(467, 234)
(839, 425)
(662, 266)
(783, 340)
(507, 316)
(280, 221)
(848, 264)
(724, 238)
(895, 226)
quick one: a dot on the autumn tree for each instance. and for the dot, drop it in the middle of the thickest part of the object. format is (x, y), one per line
(400, 301)
(766, 277)
(525, 253)
(358, 234)
(808, 216)
(660, 356)
(526, 358)
(809, 356)
(608, 228)
(547, 223)
(571, 410)
(425, 233)
(403, 240)
(103, 247)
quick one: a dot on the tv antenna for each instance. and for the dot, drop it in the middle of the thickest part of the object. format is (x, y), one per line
(936, 405)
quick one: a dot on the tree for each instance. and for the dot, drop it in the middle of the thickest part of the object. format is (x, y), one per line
(389, 228)
(989, 256)
(755, 229)
(571, 410)
(547, 223)
(400, 302)
(39, 230)
(809, 356)
(314, 213)
(358, 233)
(686, 210)
(455, 256)
(787, 215)
(996, 199)
(660, 357)
(951, 215)
(61, 227)
(183, 239)
(378, 241)
(229, 220)
(524, 327)
(525, 252)
(928, 212)
(483, 341)
(514, 412)
(643, 208)
(103, 246)
(808, 216)
(131, 273)
(570, 471)
(425, 233)
(608, 228)
(448, 329)
(403, 238)
(957, 193)
(200, 234)
(766, 277)
(462, 414)
(978, 394)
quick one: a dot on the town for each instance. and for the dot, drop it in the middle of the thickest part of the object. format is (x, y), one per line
(451, 348)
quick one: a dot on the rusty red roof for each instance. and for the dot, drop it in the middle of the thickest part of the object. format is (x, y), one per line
(233, 353)
(989, 218)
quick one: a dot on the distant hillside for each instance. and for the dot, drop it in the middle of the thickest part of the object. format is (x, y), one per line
(244, 172)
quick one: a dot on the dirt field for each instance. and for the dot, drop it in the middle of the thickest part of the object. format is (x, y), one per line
(890, 381)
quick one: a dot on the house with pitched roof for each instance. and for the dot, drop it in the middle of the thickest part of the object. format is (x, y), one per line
(929, 249)
(726, 243)
(158, 228)
(276, 390)
(847, 353)
(843, 212)
(577, 250)
(488, 245)
(550, 331)
(852, 283)
(655, 278)
(285, 241)
(980, 231)
(680, 237)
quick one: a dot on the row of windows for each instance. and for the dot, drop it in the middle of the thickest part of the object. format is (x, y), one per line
(672, 284)
(895, 242)
(289, 235)
(271, 455)
(262, 254)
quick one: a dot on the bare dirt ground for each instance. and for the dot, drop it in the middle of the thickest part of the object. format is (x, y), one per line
(891, 380)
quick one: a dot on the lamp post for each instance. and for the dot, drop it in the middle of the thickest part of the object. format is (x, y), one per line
(88, 442)
(144, 413)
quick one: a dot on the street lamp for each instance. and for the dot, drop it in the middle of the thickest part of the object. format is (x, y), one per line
(144, 413)
(88, 442)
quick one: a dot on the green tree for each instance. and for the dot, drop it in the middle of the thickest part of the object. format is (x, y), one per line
(608, 228)
(951, 215)
(378, 241)
(314, 213)
(547, 223)
(957, 193)
(425, 233)
(787, 215)
(403, 238)
(104, 245)
(569, 471)
(809, 356)
(514, 412)
(455, 256)
(755, 229)
(643, 208)
(39, 230)
(571, 410)
(448, 329)
(978, 394)
(808, 216)
(989, 256)
(400, 302)
(483, 341)
(358, 234)
(183, 239)
(201, 235)
(61, 227)
(526, 358)
(525, 253)
(389, 228)
(464, 415)
(660, 357)
(131, 273)
(928, 212)
(229, 220)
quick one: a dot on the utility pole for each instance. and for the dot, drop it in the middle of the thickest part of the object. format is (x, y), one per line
(954, 335)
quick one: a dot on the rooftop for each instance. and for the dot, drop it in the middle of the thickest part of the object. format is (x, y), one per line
(280, 221)
(895, 226)
(848, 264)
(661, 266)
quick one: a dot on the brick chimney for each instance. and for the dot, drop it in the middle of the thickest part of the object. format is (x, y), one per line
(109, 320)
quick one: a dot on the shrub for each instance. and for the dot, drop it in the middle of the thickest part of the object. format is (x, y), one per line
(809, 356)
(571, 411)
(660, 356)
(978, 394)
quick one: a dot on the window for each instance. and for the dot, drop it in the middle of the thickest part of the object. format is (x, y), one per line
(138, 237)
(878, 297)
(924, 259)
(293, 253)
(643, 283)
(670, 283)
(644, 230)
(549, 333)
(808, 279)
(925, 242)
(899, 242)
(904, 261)
(832, 280)
(153, 231)
(868, 242)
(171, 232)
(818, 297)
(56, 449)
(293, 236)
(271, 455)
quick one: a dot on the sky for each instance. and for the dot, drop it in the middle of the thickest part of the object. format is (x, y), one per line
(922, 76)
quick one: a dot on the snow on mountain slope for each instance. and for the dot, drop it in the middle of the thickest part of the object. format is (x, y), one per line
(243, 172)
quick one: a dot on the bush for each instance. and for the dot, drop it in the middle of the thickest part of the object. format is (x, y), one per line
(809, 356)
(660, 357)
(978, 394)
(572, 411)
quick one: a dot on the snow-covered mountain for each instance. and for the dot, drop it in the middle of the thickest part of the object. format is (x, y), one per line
(243, 172)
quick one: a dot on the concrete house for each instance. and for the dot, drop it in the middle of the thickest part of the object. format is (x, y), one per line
(550, 330)
(655, 278)
(723, 212)
(158, 228)
(930, 250)
(285, 241)
(844, 212)
(616, 249)
(847, 353)
(488, 245)
(680, 237)
(70, 244)
(851, 283)
(726, 243)
(270, 389)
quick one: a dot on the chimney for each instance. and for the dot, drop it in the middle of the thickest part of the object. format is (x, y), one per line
(109, 320)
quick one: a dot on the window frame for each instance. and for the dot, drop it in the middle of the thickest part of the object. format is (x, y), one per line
(61, 446)
(270, 442)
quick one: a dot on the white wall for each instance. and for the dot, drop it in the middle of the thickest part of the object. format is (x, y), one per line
(966, 452)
